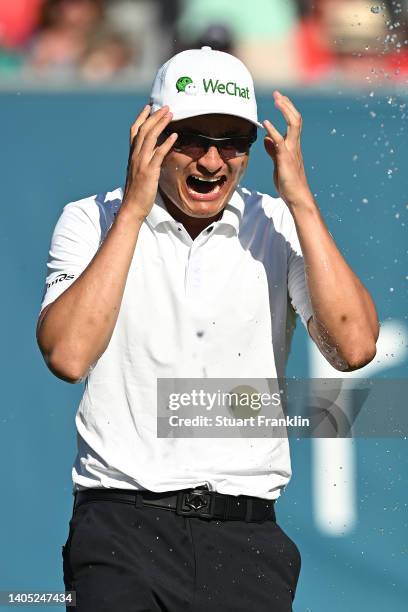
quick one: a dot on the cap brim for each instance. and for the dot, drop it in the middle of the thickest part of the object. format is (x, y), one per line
(177, 116)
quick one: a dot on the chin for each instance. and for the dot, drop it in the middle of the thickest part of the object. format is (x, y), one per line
(201, 210)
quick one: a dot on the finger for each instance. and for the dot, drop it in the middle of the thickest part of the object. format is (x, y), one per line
(293, 108)
(289, 103)
(140, 119)
(292, 117)
(152, 134)
(270, 148)
(161, 151)
(146, 124)
(295, 117)
(275, 136)
(150, 139)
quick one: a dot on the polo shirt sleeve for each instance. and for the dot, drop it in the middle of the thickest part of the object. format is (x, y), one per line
(297, 286)
(75, 240)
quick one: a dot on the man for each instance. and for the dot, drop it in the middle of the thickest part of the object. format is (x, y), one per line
(185, 274)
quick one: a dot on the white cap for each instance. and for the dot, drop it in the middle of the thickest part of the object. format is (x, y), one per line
(202, 82)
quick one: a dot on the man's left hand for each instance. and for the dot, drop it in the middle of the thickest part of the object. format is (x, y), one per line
(289, 172)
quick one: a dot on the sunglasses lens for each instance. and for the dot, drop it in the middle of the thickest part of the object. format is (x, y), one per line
(196, 145)
(236, 147)
(190, 145)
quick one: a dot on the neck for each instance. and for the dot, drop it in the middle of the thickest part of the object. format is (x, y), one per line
(193, 225)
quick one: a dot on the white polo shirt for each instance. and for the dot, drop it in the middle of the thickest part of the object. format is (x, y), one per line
(219, 306)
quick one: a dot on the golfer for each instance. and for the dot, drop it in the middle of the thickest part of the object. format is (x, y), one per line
(187, 274)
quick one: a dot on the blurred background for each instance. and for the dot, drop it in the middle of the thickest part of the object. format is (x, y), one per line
(297, 42)
(73, 75)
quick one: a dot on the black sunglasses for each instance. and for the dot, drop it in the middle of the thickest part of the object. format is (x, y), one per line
(196, 145)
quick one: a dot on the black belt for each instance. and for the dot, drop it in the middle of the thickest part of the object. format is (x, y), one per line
(199, 502)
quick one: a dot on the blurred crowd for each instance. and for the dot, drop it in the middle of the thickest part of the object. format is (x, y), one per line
(295, 42)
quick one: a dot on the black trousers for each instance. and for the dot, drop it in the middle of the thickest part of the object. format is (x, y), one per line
(123, 558)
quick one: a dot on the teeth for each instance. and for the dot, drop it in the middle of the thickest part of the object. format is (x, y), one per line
(206, 180)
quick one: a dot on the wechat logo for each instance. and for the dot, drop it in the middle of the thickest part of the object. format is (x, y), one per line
(185, 84)
(182, 83)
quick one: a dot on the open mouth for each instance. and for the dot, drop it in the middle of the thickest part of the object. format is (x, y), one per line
(205, 188)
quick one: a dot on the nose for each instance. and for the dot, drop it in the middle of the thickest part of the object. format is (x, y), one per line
(211, 160)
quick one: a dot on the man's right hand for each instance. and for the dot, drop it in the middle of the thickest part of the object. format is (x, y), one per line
(145, 160)
(75, 330)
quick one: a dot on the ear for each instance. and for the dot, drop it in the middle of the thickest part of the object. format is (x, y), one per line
(243, 167)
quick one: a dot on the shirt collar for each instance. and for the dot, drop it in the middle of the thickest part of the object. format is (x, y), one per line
(232, 214)
(233, 211)
(159, 213)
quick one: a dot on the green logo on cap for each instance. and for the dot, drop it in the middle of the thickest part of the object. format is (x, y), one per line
(231, 88)
(186, 85)
(182, 83)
